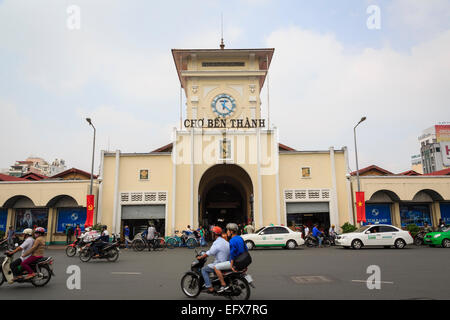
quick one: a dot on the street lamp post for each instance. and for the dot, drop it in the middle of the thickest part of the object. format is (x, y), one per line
(356, 152)
(93, 153)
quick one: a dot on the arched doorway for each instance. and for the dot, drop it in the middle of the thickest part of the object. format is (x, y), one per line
(225, 195)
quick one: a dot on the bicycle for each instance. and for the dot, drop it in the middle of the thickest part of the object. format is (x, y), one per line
(140, 242)
(185, 240)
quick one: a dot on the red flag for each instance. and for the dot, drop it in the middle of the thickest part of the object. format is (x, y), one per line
(90, 210)
(360, 207)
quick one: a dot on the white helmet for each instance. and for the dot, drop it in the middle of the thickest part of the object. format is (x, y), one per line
(28, 232)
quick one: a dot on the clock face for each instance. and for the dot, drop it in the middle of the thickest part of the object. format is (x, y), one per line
(223, 105)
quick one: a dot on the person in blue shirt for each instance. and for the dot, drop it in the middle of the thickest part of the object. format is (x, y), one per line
(318, 235)
(126, 233)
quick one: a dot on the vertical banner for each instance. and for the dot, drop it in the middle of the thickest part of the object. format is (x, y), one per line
(360, 207)
(90, 210)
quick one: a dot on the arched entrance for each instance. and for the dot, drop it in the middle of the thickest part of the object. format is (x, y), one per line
(225, 195)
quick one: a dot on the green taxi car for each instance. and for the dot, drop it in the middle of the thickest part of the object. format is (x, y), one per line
(439, 238)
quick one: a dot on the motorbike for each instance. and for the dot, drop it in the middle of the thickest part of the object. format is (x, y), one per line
(192, 283)
(109, 251)
(418, 239)
(42, 267)
(75, 248)
(312, 241)
(4, 245)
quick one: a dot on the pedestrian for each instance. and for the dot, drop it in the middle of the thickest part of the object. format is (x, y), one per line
(11, 235)
(249, 229)
(69, 232)
(126, 233)
(77, 232)
(305, 227)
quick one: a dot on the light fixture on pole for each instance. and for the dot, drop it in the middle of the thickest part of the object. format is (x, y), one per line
(356, 151)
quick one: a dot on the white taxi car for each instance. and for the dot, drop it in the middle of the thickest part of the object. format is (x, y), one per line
(375, 235)
(273, 236)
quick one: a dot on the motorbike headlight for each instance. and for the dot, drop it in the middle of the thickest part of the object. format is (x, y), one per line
(437, 235)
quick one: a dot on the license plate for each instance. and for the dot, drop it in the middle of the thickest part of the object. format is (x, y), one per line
(249, 278)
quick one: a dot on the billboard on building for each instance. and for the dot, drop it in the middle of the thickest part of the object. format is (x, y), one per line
(445, 151)
(3, 219)
(31, 218)
(71, 217)
(443, 133)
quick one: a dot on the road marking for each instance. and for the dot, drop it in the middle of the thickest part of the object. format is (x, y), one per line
(310, 279)
(365, 281)
(127, 273)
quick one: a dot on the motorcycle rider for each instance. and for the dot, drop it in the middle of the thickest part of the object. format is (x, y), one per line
(221, 250)
(317, 234)
(25, 246)
(36, 252)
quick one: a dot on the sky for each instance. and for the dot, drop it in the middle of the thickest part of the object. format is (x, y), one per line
(329, 70)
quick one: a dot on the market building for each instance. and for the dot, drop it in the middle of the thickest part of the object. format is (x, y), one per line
(224, 163)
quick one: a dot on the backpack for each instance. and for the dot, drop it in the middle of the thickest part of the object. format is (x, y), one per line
(243, 261)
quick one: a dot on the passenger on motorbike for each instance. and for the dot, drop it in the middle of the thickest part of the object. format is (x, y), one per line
(36, 252)
(221, 250)
(101, 242)
(25, 246)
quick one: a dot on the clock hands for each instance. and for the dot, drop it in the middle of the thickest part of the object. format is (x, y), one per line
(224, 105)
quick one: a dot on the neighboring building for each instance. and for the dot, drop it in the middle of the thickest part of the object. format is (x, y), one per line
(435, 148)
(416, 163)
(36, 165)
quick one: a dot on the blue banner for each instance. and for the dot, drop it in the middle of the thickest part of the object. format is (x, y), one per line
(445, 213)
(378, 214)
(3, 219)
(416, 214)
(71, 217)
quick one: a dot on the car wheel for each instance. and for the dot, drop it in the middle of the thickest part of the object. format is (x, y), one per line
(291, 244)
(250, 245)
(446, 243)
(400, 243)
(357, 244)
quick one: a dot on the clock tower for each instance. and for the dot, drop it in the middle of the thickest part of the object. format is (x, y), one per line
(223, 84)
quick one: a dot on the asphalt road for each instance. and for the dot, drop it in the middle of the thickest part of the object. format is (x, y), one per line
(306, 273)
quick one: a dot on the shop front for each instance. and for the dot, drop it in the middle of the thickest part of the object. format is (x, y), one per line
(139, 217)
(309, 214)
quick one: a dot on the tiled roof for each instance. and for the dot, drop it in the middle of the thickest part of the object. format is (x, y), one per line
(445, 172)
(372, 167)
(69, 171)
(5, 177)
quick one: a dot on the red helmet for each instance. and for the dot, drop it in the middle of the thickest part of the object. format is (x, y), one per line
(39, 230)
(217, 230)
